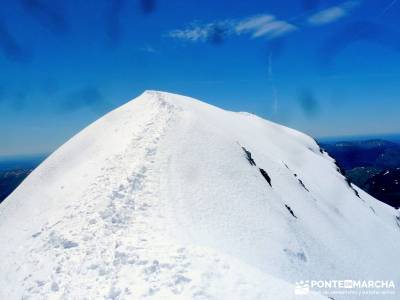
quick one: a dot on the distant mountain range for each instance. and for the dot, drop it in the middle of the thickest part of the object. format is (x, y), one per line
(372, 164)
(9, 181)
(13, 170)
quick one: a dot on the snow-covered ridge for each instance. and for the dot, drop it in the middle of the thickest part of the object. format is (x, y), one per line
(168, 197)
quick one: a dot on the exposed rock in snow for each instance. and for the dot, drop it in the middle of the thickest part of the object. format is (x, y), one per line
(156, 200)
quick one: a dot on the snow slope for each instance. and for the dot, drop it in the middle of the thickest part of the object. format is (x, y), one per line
(163, 198)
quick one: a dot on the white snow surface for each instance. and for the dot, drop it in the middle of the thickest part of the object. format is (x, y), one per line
(157, 200)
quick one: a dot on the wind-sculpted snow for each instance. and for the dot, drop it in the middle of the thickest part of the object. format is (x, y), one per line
(170, 198)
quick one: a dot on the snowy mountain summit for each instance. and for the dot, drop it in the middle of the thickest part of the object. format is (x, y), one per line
(168, 197)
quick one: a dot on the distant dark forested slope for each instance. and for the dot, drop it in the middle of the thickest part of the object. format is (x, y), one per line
(373, 165)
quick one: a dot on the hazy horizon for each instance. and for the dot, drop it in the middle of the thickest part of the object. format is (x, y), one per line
(392, 137)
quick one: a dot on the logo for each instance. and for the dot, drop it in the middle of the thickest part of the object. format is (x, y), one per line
(345, 287)
(302, 287)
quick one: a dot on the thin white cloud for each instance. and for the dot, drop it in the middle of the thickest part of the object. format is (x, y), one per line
(194, 33)
(264, 25)
(256, 26)
(253, 23)
(274, 29)
(332, 14)
(147, 48)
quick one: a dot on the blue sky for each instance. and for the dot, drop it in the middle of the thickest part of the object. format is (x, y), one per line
(328, 68)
